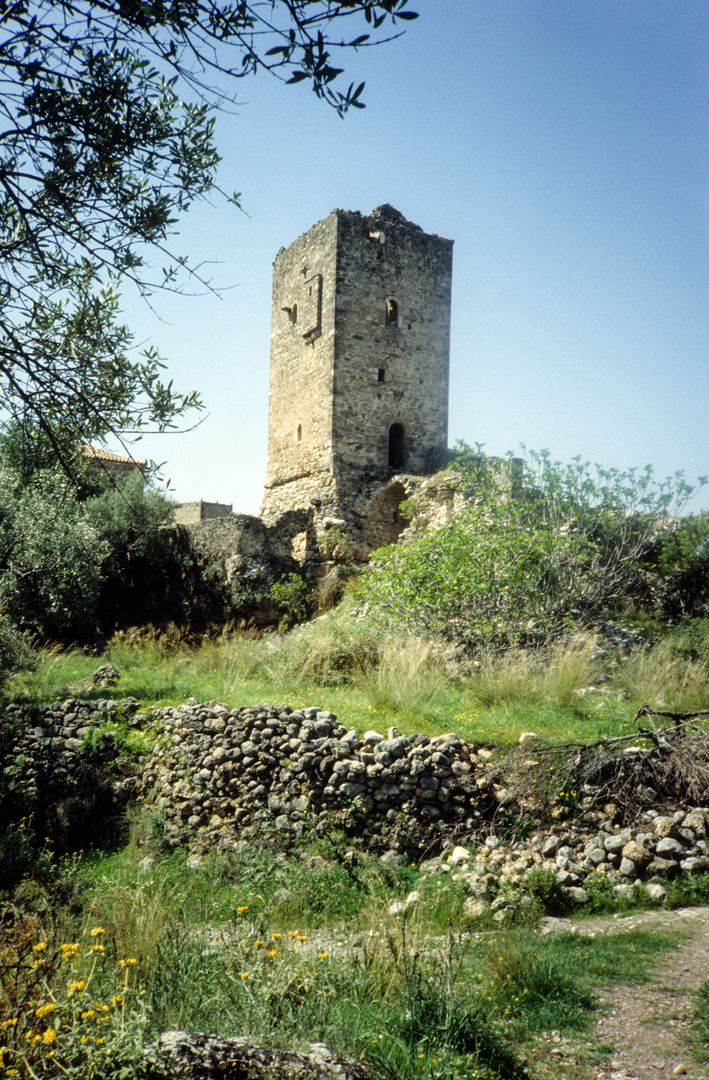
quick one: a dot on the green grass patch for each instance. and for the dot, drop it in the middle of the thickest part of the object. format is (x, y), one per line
(301, 947)
(607, 959)
(417, 699)
(540, 984)
(699, 1032)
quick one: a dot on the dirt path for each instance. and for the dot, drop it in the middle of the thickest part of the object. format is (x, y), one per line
(647, 1024)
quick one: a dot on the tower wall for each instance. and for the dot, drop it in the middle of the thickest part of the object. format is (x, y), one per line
(392, 343)
(360, 333)
(302, 351)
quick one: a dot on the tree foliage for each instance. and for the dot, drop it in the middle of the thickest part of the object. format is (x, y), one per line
(72, 570)
(100, 151)
(143, 560)
(51, 557)
(537, 547)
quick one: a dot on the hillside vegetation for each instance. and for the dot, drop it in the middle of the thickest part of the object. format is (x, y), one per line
(548, 603)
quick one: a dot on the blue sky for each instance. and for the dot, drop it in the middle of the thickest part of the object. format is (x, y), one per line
(564, 147)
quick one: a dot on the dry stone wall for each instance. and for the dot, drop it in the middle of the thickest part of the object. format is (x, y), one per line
(221, 778)
(62, 766)
(230, 775)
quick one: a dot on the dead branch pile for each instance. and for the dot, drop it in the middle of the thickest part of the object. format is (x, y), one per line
(662, 767)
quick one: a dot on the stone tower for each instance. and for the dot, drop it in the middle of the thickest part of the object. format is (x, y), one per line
(360, 329)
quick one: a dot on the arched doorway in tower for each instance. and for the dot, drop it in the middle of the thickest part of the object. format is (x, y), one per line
(397, 446)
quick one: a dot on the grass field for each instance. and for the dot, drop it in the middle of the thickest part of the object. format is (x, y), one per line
(108, 949)
(121, 946)
(407, 683)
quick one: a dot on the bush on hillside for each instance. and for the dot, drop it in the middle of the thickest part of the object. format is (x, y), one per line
(143, 568)
(537, 547)
(51, 557)
(75, 570)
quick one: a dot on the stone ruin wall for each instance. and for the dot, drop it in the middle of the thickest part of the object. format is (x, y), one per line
(390, 372)
(224, 777)
(341, 375)
(301, 375)
(190, 513)
(342, 372)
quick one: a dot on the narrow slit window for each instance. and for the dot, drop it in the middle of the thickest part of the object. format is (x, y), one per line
(397, 446)
(299, 433)
(294, 314)
(391, 311)
(381, 375)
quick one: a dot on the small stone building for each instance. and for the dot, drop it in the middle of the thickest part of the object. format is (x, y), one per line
(190, 513)
(109, 466)
(358, 398)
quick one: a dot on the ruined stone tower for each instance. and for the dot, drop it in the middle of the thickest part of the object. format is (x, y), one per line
(358, 397)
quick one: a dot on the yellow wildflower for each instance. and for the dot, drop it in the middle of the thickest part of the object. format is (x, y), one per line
(97, 930)
(275, 937)
(44, 1010)
(50, 1037)
(271, 953)
(259, 944)
(130, 962)
(116, 1001)
(88, 1015)
(39, 947)
(242, 909)
(244, 975)
(9, 1023)
(74, 986)
(322, 956)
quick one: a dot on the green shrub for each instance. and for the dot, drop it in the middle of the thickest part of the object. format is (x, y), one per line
(142, 570)
(537, 547)
(546, 893)
(16, 652)
(70, 1009)
(688, 890)
(51, 558)
(291, 595)
(23, 855)
(690, 641)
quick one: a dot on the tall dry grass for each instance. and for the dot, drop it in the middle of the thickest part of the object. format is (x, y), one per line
(665, 678)
(136, 916)
(550, 677)
(334, 651)
(409, 676)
